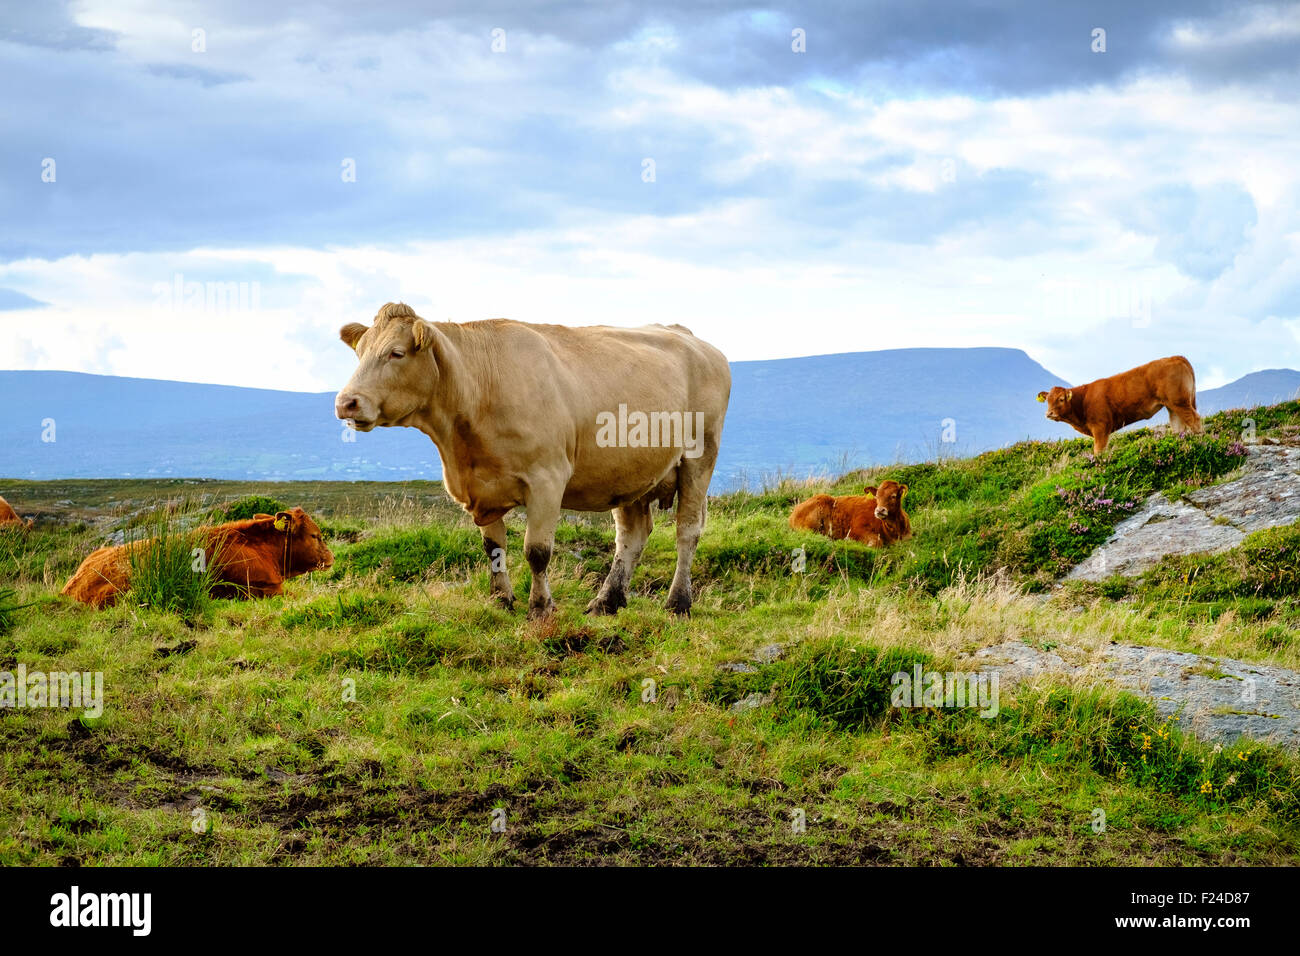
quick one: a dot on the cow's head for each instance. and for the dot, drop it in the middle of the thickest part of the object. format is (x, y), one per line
(398, 364)
(1057, 401)
(815, 514)
(889, 500)
(307, 550)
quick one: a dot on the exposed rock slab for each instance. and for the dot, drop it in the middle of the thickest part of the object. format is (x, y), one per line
(1211, 519)
(1218, 699)
(1266, 495)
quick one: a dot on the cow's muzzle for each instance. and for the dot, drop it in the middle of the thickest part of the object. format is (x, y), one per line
(351, 410)
(882, 513)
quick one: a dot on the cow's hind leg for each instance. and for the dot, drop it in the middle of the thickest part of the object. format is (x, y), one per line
(494, 545)
(539, 542)
(632, 524)
(1184, 418)
(692, 504)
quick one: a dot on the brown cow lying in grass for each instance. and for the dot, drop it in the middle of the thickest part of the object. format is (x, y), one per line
(1103, 407)
(875, 517)
(9, 518)
(250, 558)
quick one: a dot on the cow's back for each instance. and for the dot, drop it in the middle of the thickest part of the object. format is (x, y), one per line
(550, 388)
(1140, 392)
(601, 364)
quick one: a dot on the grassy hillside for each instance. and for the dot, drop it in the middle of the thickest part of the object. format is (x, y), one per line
(382, 711)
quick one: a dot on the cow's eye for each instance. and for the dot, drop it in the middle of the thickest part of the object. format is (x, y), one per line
(396, 354)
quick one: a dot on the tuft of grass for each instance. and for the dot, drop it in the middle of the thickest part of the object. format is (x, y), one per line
(246, 507)
(412, 555)
(837, 682)
(358, 608)
(9, 607)
(171, 567)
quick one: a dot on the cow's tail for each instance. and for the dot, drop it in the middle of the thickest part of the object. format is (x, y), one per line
(1191, 381)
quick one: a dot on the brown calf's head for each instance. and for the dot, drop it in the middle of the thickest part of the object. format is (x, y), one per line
(1058, 402)
(815, 514)
(889, 500)
(307, 550)
(397, 364)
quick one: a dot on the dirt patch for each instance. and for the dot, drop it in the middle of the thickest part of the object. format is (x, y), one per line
(561, 641)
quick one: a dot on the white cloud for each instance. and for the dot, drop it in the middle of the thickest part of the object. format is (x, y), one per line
(751, 265)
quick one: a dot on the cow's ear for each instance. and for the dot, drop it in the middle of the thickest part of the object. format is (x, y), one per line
(869, 490)
(426, 336)
(1042, 396)
(351, 334)
(902, 490)
(1069, 396)
(259, 516)
(283, 521)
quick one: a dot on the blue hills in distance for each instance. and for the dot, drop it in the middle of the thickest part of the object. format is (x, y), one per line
(1267, 387)
(822, 414)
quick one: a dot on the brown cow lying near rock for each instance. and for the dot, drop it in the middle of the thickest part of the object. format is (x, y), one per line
(1105, 406)
(10, 519)
(251, 558)
(875, 517)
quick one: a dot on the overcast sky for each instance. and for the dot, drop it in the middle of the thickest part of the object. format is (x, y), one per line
(916, 176)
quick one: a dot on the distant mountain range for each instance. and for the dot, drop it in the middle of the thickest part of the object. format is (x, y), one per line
(1268, 387)
(800, 416)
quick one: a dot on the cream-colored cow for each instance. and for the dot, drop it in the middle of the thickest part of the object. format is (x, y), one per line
(549, 417)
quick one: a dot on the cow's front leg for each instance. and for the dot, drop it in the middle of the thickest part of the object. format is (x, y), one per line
(494, 545)
(539, 542)
(1100, 438)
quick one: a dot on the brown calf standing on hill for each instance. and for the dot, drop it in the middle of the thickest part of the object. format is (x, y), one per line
(1103, 407)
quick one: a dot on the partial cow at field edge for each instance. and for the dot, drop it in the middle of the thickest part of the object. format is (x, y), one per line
(9, 519)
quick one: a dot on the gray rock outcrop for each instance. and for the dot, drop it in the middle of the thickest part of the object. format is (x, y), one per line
(1210, 520)
(1218, 699)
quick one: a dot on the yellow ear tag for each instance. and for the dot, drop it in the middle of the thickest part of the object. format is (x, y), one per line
(280, 524)
(1042, 398)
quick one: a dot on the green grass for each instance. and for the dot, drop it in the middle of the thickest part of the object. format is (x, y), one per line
(171, 567)
(247, 507)
(412, 555)
(9, 608)
(380, 712)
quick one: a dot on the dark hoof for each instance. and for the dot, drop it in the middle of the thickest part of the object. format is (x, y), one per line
(538, 611)
(607, 604)
(506, 601)
(679, 604)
